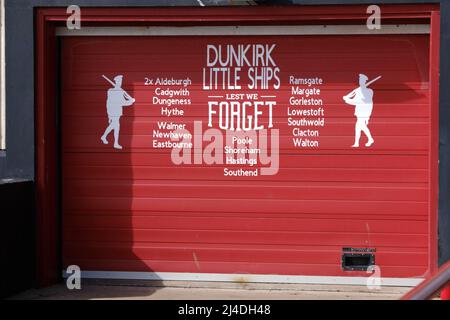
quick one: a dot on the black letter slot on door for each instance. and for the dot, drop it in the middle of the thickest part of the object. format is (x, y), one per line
(357, 259)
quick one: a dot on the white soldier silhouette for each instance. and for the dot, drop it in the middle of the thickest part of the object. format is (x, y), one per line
(117, 99)
(362, 99)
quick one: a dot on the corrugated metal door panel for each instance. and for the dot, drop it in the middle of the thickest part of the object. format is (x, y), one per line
(134, 210)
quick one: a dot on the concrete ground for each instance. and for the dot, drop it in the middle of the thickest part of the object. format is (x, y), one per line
(179, 290)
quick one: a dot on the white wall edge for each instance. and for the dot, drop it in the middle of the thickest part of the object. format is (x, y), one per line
(257, 278)
(245, 30)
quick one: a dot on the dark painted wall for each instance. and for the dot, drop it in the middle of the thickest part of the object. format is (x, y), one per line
(18, 160)
(444, 137)
(17, 249)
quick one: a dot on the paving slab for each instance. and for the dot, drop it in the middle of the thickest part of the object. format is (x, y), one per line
(181, 290)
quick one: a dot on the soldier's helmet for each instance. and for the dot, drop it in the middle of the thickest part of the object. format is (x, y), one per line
(362, 79)
(118, 78)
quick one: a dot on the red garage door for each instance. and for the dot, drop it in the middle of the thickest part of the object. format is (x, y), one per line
(239, 154)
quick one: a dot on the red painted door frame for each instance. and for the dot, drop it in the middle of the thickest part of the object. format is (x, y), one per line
(47, 19)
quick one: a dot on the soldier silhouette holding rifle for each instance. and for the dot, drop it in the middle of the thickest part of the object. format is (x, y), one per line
(362, 99)
(117, 99)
